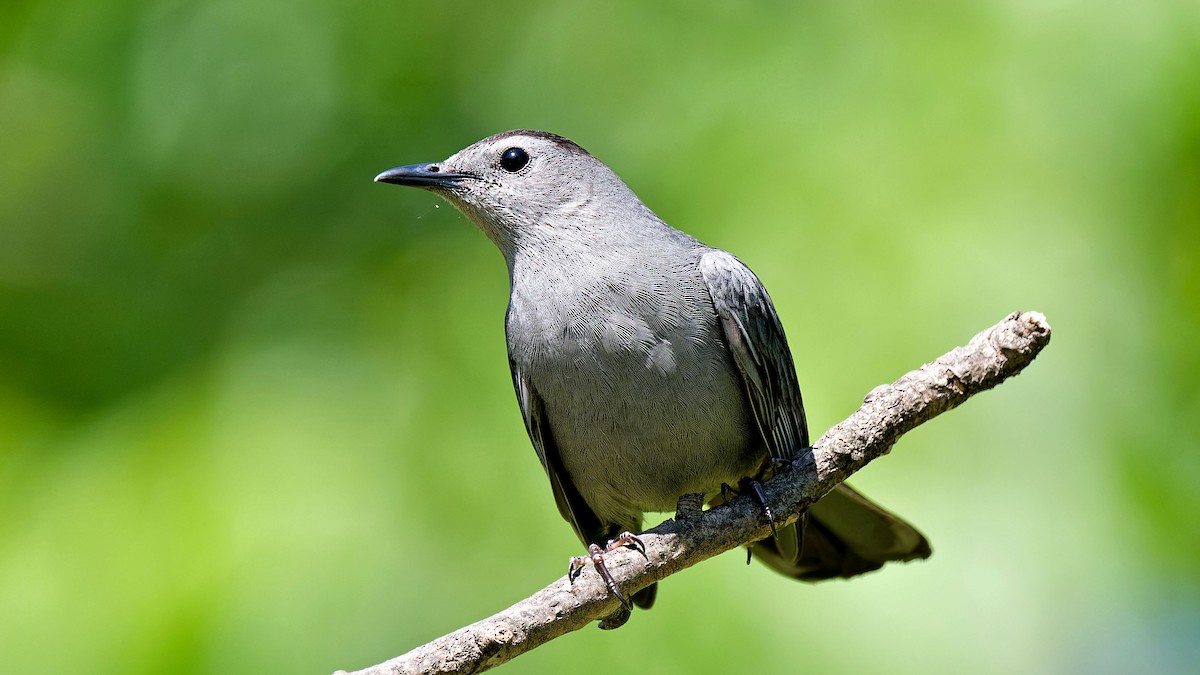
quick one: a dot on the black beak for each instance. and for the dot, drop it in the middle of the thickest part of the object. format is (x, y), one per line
(422, 175)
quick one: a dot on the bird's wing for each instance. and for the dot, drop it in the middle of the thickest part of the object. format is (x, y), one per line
(570, 503)
(844, 533)
(758, 346)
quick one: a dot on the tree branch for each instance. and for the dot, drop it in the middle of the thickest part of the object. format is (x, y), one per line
(888, 412)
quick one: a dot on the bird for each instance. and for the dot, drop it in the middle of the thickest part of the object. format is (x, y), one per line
(647, 365)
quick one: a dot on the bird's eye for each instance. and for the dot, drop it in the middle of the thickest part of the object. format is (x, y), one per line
(514, 159)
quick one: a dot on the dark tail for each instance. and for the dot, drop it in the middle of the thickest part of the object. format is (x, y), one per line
(842, 535)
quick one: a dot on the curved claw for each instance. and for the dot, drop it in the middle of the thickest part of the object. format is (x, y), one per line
(755, 489)
(595, 555)
(727, 493)
(576, 566)
(629, 540)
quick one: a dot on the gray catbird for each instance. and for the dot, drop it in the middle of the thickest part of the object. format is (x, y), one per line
(647, 365)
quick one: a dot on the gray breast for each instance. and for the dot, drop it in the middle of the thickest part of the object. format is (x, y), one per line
(641, 395)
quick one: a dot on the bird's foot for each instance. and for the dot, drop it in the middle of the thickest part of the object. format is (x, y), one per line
(773, 465)
(727, 493)
(754, 488)
(596, 557)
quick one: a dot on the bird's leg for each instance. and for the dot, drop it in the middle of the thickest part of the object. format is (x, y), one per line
(773, 465)
(727, 493)
(754, 487)
(596, 556)
(770, 467)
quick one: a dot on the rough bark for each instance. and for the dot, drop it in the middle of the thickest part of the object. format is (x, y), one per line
(888, 412)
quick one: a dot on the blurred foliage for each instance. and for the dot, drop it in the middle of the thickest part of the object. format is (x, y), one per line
(255, 414)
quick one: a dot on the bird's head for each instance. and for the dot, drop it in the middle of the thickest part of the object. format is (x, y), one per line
(525, 186)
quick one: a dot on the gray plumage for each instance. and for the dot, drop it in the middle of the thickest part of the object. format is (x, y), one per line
(646, 364)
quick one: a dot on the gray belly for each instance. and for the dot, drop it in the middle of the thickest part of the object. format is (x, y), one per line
(642, 409)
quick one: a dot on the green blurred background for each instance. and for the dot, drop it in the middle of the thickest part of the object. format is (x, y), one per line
(255, 414)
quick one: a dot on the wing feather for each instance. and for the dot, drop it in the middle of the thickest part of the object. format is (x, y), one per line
(759, 348)
(843, 534)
